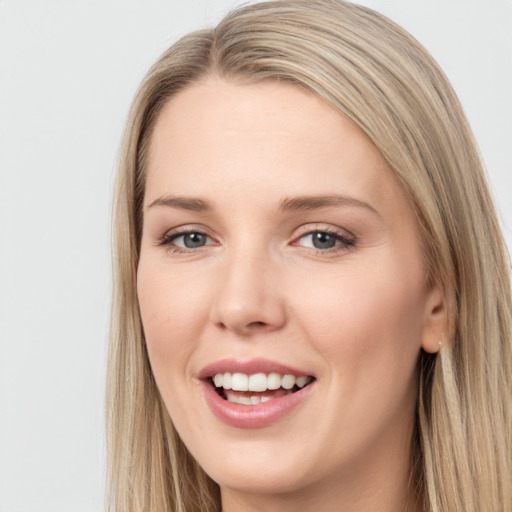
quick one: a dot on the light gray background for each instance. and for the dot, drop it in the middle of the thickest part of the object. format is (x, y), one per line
(68, 71)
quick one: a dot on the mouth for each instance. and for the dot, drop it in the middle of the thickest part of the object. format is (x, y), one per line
(255, 393)
(256, 388)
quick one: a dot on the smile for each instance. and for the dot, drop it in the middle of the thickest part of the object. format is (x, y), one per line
(256, 393)
(256, 388)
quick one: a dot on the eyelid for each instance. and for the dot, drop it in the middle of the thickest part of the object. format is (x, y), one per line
(345, 239)
(171, 234)
(323, 228)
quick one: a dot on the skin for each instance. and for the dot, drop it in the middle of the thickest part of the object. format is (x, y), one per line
(355, 316)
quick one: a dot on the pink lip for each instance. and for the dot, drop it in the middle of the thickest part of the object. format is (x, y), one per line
(251, 416)
(249, 367)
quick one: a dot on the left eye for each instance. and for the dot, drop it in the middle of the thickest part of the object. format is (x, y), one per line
(191, 240)
(322, 240)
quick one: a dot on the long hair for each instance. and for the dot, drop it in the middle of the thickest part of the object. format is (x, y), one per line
(374, 72)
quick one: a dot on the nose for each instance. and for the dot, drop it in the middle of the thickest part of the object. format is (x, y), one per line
(249, 298)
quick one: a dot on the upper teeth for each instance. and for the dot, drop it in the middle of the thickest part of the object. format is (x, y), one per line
(258, 381)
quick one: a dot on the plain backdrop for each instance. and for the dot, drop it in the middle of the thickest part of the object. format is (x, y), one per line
(68, 71)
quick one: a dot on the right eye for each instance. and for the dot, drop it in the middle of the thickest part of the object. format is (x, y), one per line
(190, 240)
(186, 241)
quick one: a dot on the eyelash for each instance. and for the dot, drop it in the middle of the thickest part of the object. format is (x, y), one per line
(342, 243)
(168, 239)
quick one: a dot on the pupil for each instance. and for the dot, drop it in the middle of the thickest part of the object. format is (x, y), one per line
(191, 240)
(323, 241)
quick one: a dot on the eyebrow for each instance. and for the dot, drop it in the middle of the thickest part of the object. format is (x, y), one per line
(308, 203)
(299, 203)
(183, 203)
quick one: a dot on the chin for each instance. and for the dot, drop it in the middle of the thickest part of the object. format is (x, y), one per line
(261, 477)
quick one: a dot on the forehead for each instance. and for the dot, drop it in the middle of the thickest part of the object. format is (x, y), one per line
(269, 138)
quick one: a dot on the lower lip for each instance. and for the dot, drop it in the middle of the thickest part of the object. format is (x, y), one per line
(253, 416)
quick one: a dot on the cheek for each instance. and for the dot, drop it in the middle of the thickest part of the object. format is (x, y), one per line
(366, 316)
(366, 326)
(173, 308)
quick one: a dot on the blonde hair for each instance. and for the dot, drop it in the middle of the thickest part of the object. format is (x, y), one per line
(378, 75)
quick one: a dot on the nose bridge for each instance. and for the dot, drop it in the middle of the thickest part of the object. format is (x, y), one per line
(248, 297)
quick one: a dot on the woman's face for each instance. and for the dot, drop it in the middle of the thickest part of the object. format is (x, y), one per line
(277, 241)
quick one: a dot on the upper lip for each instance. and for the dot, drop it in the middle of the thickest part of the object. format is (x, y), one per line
(249, 367)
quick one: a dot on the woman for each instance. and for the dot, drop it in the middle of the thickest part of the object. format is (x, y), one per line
(312, 297)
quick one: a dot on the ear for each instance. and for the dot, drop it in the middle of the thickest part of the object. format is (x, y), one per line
(436, 327)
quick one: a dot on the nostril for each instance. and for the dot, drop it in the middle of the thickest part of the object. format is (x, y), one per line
(257, 324)
(248, 329)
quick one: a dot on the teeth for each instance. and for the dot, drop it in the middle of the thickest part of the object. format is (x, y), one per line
(226, 381)
(218, 380)
(237, 398)
(258, 381)
(239, 382)
(288, 381)
(300, 381)
(243, 399)
(274, 381)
